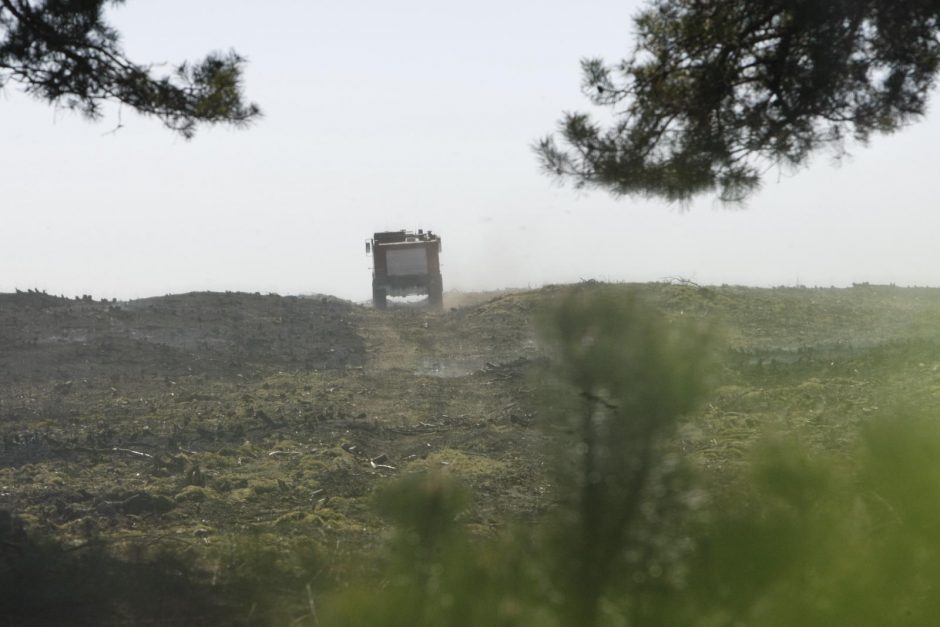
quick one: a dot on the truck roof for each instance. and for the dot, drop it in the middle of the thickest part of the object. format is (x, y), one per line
(394, 237)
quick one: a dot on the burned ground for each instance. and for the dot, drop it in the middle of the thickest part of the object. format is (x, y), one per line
(203, 416)
(46, 338)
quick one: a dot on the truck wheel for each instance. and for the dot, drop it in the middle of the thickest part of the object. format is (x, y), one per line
(436, 293)
(379, 300)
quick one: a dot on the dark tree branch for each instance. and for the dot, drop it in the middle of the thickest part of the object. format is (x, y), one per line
(62, 51)
(717, 90)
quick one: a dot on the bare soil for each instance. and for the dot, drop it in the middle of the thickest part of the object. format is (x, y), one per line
(202, 416)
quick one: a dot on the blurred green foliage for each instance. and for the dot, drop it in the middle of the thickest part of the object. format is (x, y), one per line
(637, 538)
(628, 374)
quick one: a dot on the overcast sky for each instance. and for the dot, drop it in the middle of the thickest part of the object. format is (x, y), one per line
(420, 114)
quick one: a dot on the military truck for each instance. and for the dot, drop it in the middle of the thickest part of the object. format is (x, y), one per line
(406, 263)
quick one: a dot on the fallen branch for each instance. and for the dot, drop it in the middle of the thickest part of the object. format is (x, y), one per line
(99, 451)
(132, 452)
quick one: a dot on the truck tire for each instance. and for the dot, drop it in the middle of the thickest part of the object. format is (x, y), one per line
(379, 300)
(436, 293)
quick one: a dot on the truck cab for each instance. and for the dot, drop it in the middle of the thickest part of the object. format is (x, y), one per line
(406, 263)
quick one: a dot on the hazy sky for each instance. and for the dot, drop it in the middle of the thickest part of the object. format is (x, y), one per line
(420, 114)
